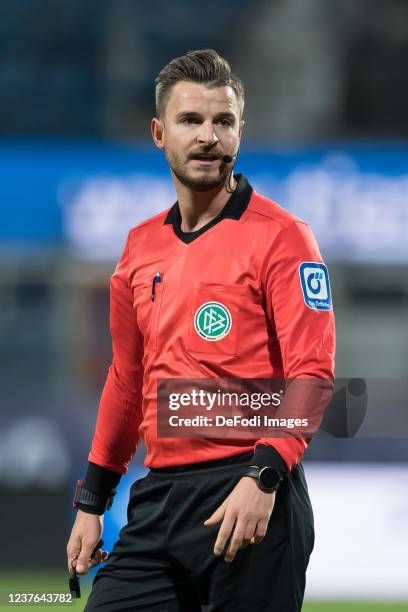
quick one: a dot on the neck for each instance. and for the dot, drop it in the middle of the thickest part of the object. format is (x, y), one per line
(197, 208)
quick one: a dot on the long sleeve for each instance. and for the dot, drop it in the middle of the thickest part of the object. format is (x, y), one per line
(304, 328)
(120, 410)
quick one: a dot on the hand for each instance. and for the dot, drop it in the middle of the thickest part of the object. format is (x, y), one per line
(85, 535)
(246, 511)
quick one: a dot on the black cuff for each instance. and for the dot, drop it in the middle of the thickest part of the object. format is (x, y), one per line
(90, 509)
(101, 480)
(267, 455)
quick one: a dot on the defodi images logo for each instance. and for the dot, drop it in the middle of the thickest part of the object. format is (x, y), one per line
(314, 279)
(212, 321)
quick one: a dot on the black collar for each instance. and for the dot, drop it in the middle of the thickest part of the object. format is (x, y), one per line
(233, 209)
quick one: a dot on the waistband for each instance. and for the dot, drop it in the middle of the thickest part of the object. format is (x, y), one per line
(204, 466)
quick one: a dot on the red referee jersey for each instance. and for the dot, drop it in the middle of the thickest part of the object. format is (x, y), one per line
(255, 259)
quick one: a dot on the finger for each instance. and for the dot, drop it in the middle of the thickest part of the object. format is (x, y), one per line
(260, 531)
(236, 540)
(73, 551)
(71, 558)
(249, 532)
(100, 556)
(84, 560)
(72, 563)
(224, 533)
(217, 515)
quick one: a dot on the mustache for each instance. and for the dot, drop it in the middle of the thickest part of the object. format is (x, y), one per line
(209, 152)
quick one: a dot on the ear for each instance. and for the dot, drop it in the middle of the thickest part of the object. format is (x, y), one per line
(157, 130)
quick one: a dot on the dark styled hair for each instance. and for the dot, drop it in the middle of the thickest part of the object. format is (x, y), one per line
(203, 66)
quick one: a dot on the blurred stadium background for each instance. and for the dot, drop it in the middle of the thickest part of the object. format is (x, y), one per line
(326, 136)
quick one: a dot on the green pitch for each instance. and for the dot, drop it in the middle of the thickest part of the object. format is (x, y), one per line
(31, 582)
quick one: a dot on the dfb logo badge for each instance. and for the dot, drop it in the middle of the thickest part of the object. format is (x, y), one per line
(212, 321)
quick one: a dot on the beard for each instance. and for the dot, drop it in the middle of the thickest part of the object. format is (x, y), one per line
(202, 183)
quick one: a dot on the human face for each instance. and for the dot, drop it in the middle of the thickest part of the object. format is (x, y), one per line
(200, 125)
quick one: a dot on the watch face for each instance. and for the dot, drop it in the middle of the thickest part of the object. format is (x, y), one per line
(269, 478)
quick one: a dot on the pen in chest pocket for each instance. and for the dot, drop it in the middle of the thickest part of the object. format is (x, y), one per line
(157, 278)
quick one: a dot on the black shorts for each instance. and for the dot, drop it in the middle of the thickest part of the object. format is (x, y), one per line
(163, 560)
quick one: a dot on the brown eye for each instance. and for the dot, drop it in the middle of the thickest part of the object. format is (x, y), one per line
(189, 120)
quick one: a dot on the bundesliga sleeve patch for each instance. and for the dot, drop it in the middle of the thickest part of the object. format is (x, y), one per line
(314, 280)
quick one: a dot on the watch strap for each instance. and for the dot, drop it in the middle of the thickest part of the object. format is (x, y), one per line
(85, 497)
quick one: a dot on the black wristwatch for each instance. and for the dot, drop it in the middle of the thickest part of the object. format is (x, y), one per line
(267, 478)
(88, 498)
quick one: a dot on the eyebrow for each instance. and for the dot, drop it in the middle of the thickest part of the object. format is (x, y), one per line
(194, 115)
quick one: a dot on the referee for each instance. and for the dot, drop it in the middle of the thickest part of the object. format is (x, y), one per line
(223, 284)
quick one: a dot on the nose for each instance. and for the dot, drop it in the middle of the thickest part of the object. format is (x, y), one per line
(206, 134)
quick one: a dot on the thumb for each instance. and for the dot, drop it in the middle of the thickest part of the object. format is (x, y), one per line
(84, 559)
(216, 516)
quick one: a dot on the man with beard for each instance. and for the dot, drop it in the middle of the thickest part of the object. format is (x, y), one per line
(224, 284)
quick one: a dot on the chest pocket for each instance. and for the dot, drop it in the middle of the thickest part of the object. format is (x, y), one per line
(214, 319)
